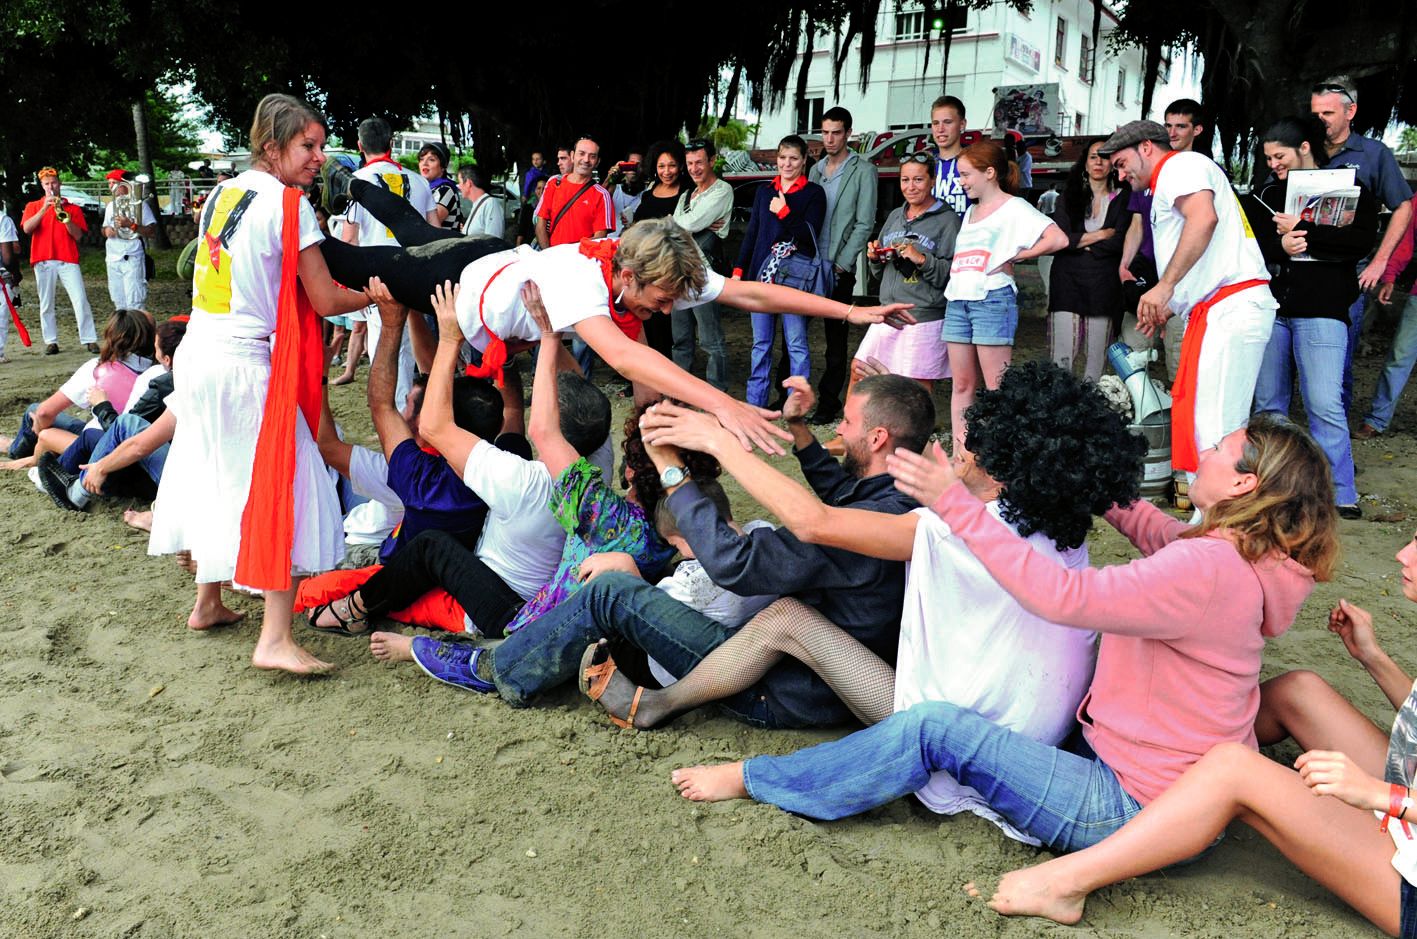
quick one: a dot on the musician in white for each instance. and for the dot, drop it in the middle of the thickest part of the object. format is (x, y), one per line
(127, 278)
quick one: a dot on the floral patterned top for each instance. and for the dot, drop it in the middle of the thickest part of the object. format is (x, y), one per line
(596, 519)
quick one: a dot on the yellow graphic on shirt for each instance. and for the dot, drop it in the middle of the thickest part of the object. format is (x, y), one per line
(397, 183)
(211, 280)
(1244, 219)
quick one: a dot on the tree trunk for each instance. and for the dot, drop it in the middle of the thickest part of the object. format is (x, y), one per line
(145, 161)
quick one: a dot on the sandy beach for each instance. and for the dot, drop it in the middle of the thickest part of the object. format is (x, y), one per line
(153, 784)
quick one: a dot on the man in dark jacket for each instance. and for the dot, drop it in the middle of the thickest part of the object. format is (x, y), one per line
(862, 595)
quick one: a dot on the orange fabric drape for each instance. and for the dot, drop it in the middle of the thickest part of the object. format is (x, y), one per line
(268, 521)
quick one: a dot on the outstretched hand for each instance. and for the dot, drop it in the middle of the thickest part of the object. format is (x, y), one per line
(922, 476)
(391, 312)
(665, 425)
(444, 299)
(865, 368)
(800, 398)
(894, 315)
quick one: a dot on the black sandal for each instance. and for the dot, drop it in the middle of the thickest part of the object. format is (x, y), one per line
(353, 617)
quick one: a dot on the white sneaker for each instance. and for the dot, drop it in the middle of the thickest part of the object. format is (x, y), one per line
(33, 474)
(4, 359)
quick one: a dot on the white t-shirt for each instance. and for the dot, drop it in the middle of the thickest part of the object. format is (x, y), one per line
(237, 280)
(401, 181)
(486, 217)
(1232, 254)
(965, 640)
(7, 229)
(118, 248)
(373, 521)
(521, 539)
(572, 288)
(76, 389)
(985, 244)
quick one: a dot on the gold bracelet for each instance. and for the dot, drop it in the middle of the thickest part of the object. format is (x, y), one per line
(847, 317)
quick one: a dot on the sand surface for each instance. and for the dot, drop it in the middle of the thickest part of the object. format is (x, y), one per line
(152, 784)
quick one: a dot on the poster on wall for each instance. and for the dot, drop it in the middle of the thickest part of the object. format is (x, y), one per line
(1032, 110)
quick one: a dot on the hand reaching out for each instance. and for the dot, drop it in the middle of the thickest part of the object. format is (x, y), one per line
(922, 476)
(800, 398)
(391, 312)
(531, 298)
(1354, 625)
(445, 298)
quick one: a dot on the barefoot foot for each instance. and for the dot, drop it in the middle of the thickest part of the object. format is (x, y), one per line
(391, 647)
(143, 521)
(1032, 891)
(286, 656)
(207, 615)
(184, 561)
(710, 783)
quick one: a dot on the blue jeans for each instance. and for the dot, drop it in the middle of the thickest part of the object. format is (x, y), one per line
(1397, 369)
(794, 331)
(584, 355)
(126, 426)
(25, 438)
(1066, 800)
(1317, 347)
(546, 652)
(710, 328)
(1356, 313)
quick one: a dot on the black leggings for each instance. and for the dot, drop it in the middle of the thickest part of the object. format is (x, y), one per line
(424, 257)
(436, 559)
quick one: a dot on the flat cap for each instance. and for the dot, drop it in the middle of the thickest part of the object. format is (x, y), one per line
(1133, 133)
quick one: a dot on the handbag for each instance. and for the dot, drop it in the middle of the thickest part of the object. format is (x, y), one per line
(810, 275)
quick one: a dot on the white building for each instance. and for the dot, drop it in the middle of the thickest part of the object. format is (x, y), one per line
(991, 48)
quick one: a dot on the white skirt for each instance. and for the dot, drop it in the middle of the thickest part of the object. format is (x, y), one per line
(218, 398)
(916, 351)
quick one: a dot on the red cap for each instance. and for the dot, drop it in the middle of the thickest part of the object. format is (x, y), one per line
(115, 176)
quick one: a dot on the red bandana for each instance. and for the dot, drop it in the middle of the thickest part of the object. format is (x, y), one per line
(603, 251)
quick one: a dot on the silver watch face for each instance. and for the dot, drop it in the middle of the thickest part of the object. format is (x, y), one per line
(673, 476)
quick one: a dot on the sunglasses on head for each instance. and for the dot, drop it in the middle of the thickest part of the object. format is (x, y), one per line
(698, 143)
(1329, 88)
(920, 156)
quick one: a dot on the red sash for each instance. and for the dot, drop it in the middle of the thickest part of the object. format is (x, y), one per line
(1183, 392)
(603, 251)
(268, 521)
(15, 315)
(494, 357)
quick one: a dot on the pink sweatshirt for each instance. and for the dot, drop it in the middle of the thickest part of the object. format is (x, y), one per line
(1183, 628)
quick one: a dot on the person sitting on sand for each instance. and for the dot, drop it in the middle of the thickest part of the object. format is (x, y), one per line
(62, 475)
(1177, 668)
(522, 540)
(411, 488)
(602, 291)
(1371, 866)
(1045, 453)
(123, 356)
(862, 594)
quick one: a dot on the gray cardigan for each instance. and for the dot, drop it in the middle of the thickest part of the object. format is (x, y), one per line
(852, 218)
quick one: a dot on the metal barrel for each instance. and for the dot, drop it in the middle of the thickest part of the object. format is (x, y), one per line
(1156, 467)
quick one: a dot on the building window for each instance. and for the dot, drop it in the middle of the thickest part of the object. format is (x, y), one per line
(1121, 87)
(1078, 120)
(1060, 44)
(910, 24)
(1085, 59)
(809, 114)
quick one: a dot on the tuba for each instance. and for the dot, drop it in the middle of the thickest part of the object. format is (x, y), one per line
(130, 206)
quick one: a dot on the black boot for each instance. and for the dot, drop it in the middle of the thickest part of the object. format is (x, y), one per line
(56, 481)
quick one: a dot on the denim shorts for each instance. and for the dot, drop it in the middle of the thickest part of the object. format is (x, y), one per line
(1407, 929)
(988, 322)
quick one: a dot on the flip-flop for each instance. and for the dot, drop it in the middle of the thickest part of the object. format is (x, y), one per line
(595, 678)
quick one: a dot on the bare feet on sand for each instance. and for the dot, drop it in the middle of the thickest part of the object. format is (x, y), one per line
(286, 655)
(141, 520)
(184, 561)
(710, 783)
(391, 647)
(1033, 891)
(208, 615)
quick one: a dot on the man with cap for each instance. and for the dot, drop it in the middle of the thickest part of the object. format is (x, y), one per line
(127, 277)
(55, 227)
(1210, 271)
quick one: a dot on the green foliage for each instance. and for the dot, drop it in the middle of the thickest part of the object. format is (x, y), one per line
(172, 139)
(1407, 140)
(731, 136)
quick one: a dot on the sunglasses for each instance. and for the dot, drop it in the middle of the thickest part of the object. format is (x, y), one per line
(1325, 89)
(698, 143)
(919, 156)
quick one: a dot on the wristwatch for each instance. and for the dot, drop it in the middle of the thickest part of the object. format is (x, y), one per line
(672, 476)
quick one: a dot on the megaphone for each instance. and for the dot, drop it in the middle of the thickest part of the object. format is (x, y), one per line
(1130, 365)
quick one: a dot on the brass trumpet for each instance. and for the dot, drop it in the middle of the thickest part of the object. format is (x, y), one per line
(61, 214)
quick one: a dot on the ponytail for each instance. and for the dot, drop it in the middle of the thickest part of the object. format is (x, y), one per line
(989, 154)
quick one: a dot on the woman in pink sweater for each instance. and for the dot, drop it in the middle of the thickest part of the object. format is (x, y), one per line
(1177, 669)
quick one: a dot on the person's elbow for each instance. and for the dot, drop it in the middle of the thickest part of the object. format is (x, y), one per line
(1055, 240)
(48, 411)
(810, 523)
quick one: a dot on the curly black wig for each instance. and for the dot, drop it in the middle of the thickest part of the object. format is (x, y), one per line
(647, 489)
(1061, 454)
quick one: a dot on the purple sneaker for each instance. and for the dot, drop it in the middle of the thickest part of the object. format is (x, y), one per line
(452, 663)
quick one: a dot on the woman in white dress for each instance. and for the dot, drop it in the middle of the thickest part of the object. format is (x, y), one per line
(221, 390)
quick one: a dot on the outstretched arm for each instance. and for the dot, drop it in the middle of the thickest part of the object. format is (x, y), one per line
(875, 534)
(756, 296)
(435, 421)
(545, 428)
(327, 297)
(129, 452)
(643, 365)
(384, 372)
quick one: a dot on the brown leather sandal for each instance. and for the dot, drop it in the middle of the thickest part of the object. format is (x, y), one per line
(595, 678)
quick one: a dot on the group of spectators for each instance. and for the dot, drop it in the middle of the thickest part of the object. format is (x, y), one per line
(944, 601)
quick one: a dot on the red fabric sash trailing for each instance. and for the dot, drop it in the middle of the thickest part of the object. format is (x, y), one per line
(1156, 170)
(15, 316)
(1184, 455)
(268, 521)
(494, 357)
(603, 251)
